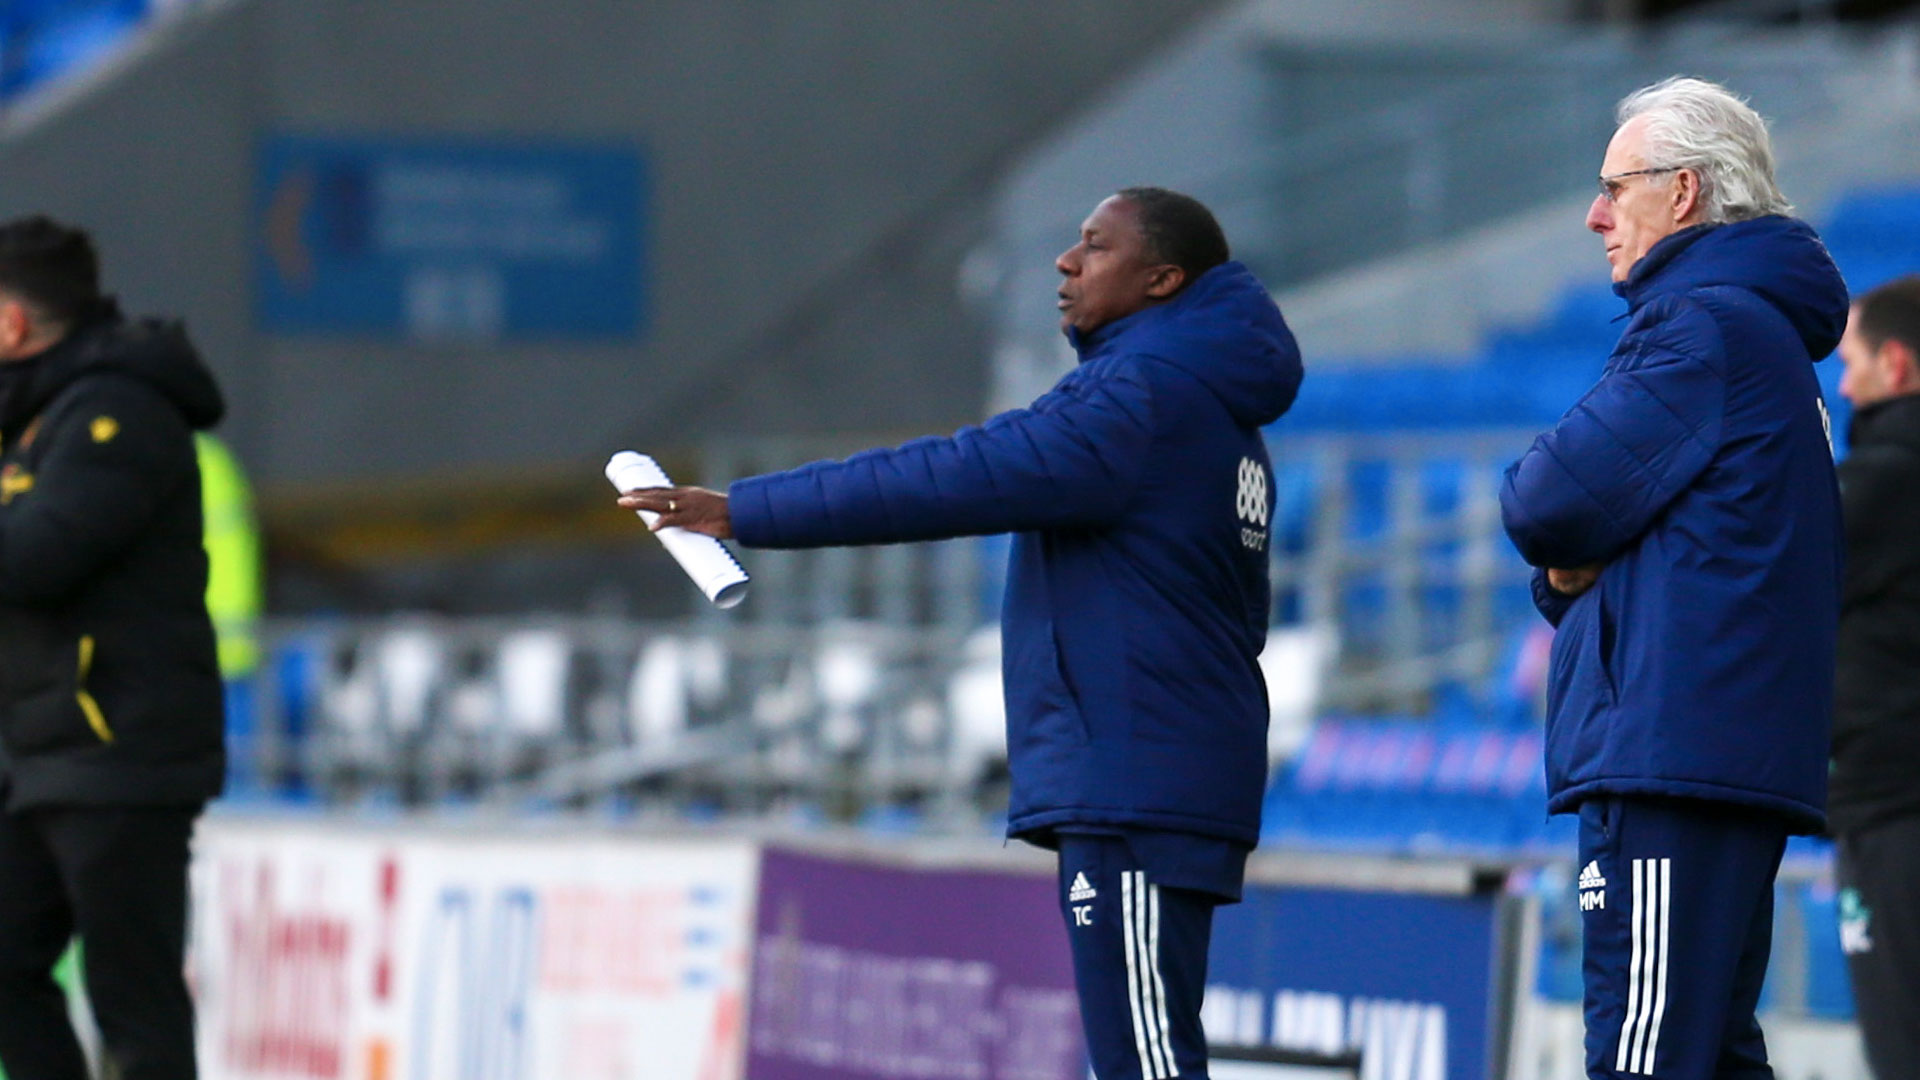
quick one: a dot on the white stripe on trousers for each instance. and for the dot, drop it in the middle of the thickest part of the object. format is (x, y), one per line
(1647, 969)
(1660, 995)
(1159, 987)
(1146, 992)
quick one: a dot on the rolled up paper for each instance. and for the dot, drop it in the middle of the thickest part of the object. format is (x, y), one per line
(706, 560)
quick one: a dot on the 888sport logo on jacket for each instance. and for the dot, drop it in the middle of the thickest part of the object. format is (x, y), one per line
(1250, 502)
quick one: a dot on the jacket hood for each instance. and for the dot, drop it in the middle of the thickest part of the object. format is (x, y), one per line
(1224, 330)
(154, 351)
(1780, 258)
(1895, 422)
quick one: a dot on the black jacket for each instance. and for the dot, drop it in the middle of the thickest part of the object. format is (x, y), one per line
(109, 690)
(1876, 734)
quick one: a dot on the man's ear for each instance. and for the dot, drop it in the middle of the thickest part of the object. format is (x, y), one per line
(1904, 364)
(15, 327)
(1685, 194)
(1165, 280)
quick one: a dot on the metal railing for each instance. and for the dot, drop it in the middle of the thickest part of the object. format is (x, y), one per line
(1480, 134)
(416, 710)
(1403, 556)
(1362, 152)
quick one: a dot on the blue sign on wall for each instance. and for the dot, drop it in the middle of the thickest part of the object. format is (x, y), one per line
(1407, 979)
(454, 240)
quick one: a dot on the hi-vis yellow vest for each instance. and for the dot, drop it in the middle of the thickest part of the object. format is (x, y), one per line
(233, 557)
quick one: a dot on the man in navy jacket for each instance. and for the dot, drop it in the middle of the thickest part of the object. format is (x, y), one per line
(1137, 600)
(1686, 521)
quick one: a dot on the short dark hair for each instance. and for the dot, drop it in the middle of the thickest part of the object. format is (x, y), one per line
(1891, 313)
(1178, 228)
(53, 267)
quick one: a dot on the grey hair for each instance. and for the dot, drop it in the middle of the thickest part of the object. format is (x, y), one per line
(1702, 126)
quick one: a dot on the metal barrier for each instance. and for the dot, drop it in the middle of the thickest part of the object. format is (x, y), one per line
(413, 709)
(1396, 544)
(1534, 113)
(1357, 151)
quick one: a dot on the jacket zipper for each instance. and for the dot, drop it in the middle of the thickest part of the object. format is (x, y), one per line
(96, 719)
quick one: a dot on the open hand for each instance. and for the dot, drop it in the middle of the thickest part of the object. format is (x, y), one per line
(691, 508)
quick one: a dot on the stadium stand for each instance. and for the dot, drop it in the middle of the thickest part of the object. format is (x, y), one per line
(43, 41)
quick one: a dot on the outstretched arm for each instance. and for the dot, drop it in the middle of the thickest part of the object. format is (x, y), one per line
(1073, 459)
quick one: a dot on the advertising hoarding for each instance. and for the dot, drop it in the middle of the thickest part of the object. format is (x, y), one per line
(338, 953)
(1409, 980)
(863, 969)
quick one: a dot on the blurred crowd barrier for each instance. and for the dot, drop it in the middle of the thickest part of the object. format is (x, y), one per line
(1382, 147)
(414, 710)
(1392, 541)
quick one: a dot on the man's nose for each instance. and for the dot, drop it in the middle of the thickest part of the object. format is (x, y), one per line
(1067, 262)
(1600, 214)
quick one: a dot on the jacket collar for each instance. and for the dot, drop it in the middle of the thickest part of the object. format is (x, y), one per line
(1088, 344)
(1895, 420)
(1642, 282)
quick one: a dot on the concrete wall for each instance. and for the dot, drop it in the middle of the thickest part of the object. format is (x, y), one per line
(820, 168)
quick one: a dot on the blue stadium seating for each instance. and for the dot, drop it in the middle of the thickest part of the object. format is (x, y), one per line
(1527, 376)
(42, 40)
(1402, 785)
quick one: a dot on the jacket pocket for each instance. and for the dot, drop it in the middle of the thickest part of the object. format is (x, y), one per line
(89, 708)
(1580, 691)
(59, 713)
(1046, 713)
(150, 688)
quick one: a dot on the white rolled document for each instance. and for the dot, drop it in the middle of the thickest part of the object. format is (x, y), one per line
(706, 560)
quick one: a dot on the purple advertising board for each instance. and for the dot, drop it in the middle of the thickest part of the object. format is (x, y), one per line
(865, 969)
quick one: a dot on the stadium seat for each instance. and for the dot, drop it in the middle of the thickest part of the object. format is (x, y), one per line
(1294, 664)
(847, 670)
(533, 684)
(657, 705)
(977, 709)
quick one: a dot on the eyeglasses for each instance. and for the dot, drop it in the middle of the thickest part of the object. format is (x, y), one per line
(1610, 186)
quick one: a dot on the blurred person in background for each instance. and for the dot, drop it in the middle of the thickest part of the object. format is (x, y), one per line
(1686, 522)
(1875, 784)
(1137, 600)
(110, 697)
(234, 587)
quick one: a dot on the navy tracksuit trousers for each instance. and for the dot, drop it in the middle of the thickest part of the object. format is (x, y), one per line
(1139, 961)
(1676, 900)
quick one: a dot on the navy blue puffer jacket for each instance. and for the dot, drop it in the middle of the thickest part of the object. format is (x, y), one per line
(1700, 471)
(1137, 599)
